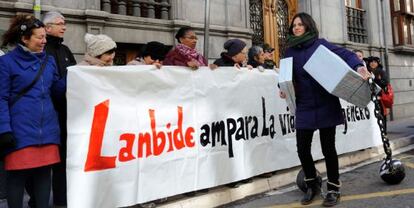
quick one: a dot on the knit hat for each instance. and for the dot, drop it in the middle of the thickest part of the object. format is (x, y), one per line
(234, 46)
(154, 49)
(98, 44)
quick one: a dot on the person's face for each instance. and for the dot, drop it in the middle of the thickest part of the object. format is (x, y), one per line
(37, 40)
(148, 60)
(108, 58)
(373, 64)
(240, 57)
(268, 55)
(360, 55)
(189, 39)
(57, 28)
(298, 27)
(260, 58)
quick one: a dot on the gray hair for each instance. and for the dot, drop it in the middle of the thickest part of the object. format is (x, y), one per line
(254, 51)
(51, 16)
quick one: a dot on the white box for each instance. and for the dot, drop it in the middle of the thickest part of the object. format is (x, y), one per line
(334, 74)
(286, 83)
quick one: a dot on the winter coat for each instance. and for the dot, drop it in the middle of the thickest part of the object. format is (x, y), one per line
(380, 78)
(32, 119)
(224, 60)
(174, 58)
(315, 107)
(63, 58)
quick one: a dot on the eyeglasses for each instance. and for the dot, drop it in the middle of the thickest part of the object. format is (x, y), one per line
(58, 24)
(28, 26)
(191, 37)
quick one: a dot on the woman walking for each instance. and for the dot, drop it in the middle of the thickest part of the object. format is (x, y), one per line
(317, 109)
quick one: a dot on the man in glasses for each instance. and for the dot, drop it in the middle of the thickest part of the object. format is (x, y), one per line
(55, 27)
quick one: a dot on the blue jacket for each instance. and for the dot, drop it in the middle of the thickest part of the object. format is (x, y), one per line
(32, 119)
(315, 107)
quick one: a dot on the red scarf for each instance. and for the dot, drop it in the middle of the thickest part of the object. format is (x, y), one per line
(190, 54)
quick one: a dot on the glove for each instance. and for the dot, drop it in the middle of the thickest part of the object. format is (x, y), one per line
(7, 141)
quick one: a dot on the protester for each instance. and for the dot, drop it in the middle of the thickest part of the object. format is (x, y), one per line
(100, 50)
(29, 128)
(380, 78)
(234, 54)
(55, 29)
(184, 53)
(256, 57)
(153, 53)
(316, 109)
(360, 55)
(268, 56)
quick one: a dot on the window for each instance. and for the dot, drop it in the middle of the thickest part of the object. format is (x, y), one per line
(402, 15)
(355, 20)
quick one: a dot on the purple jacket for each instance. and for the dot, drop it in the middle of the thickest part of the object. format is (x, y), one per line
(315, 107)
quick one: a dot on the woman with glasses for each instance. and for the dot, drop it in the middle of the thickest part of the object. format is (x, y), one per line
(29, 129)
(184, 53)
(100, 50)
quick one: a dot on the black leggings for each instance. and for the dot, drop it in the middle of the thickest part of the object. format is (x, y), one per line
(327, 138)
(16, 181)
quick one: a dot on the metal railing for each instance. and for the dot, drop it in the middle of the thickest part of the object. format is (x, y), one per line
(356, 29)
(157, 9)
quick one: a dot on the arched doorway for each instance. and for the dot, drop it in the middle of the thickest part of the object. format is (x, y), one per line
(269, 20)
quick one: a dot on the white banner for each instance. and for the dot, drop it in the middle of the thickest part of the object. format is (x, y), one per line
(137, 134)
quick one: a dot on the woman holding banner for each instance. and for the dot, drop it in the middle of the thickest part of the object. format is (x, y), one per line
(185, 54)
(29, 129)
(317, 109)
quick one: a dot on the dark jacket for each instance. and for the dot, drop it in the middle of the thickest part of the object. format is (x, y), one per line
(380, 78)
(32, 119)
(225, 60)
(174, 58)
(63, 58)
(315, 107)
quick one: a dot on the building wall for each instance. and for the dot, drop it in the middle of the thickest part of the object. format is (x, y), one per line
(229, 19)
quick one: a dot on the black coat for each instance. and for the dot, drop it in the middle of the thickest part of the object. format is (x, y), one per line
(225, 60)
(63, 58)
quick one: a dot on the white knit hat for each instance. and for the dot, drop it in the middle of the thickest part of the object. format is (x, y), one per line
(98, 44)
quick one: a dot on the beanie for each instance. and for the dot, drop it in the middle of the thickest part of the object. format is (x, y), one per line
(154, 49)
(98, 44)
(234, 46)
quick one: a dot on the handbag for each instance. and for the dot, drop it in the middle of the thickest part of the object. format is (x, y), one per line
(28, 87)
(387, 96)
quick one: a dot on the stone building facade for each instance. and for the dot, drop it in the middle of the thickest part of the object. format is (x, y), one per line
(373, 26)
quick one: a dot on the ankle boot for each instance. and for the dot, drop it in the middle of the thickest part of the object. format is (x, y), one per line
(333, 196)
(313, 189)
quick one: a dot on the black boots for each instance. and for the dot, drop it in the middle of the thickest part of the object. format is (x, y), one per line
(333, 196)
(313, 189)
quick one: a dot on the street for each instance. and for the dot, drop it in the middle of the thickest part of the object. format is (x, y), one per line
(361, 187)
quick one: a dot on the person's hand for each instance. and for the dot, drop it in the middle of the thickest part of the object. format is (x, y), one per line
(237, 65)
(363, 71)
(282, 95)
(193, 64)
(212, 66)
(157, 65)
(7, 141)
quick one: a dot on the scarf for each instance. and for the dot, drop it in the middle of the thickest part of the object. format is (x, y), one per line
(95, 61)
(297, 41)
(190, 54)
